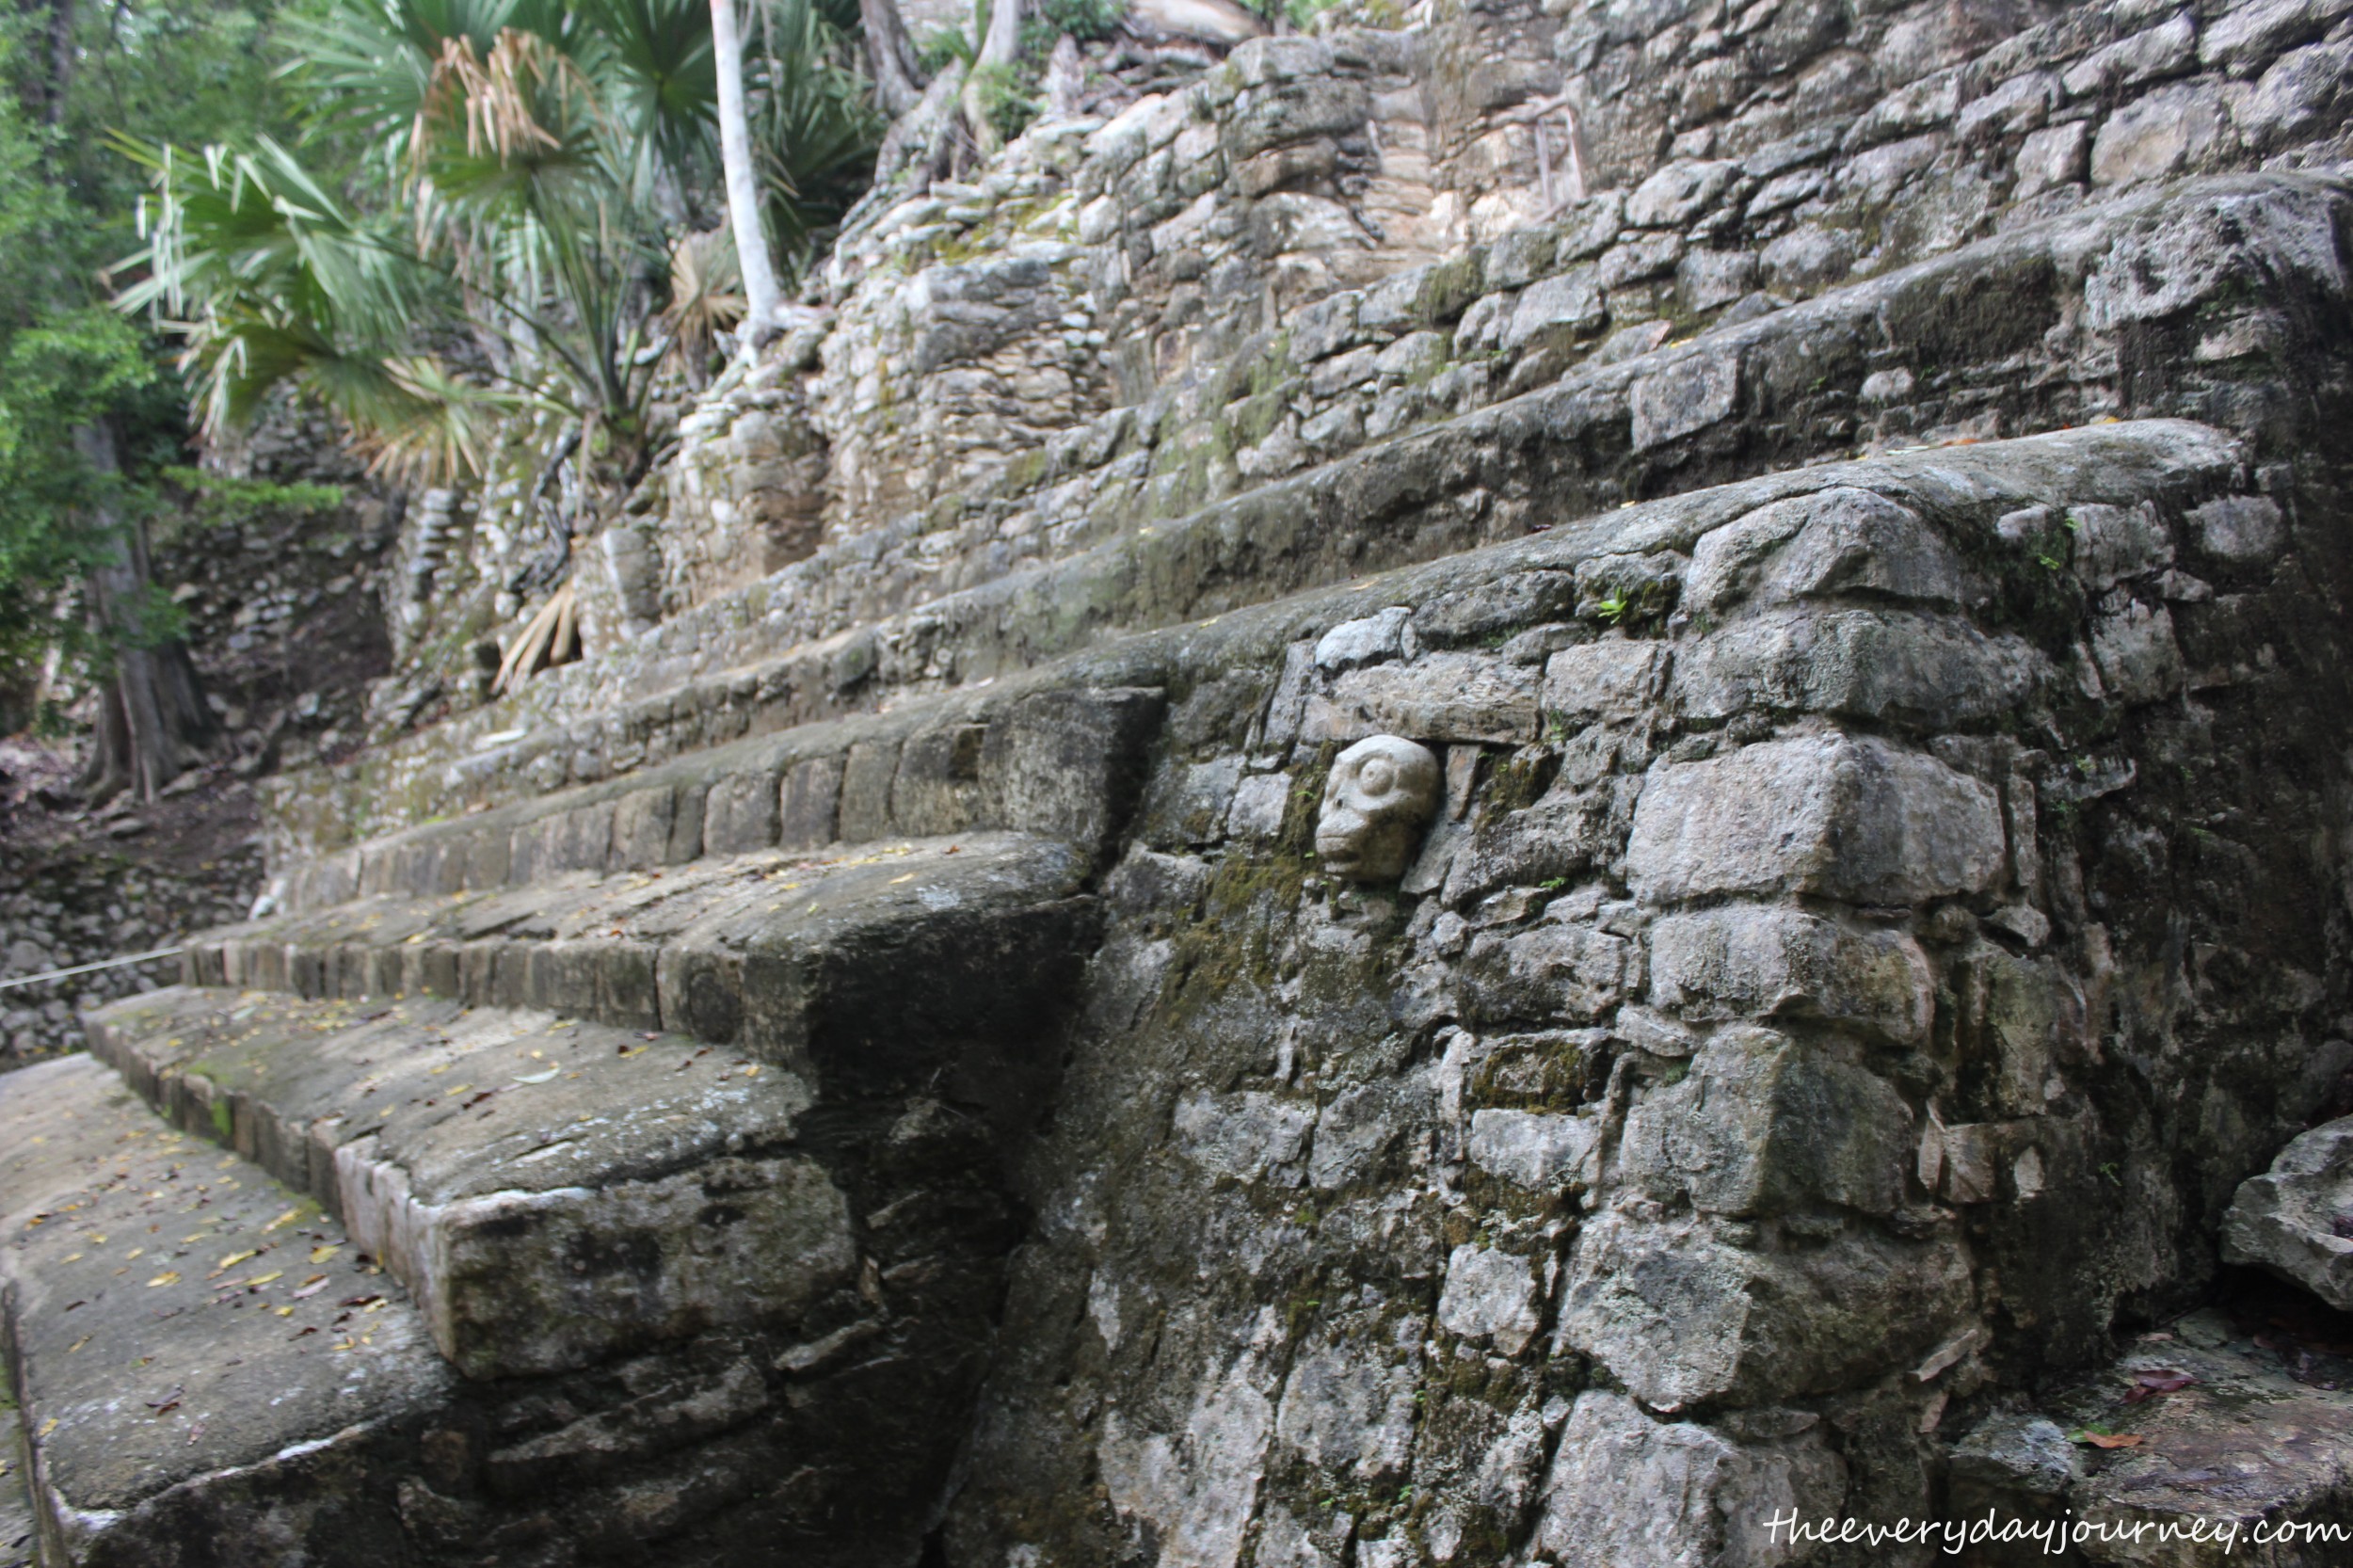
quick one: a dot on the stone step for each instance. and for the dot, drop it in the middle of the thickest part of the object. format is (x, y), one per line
(550, 1190)
(2029, 329)
(863, 963)
(1071, 749)
(209, 1360)
(194, 1346)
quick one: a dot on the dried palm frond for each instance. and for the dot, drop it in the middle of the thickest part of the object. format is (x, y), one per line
(706, 292)
(550, 638)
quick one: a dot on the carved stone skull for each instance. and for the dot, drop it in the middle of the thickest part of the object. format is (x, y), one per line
(1381, 792)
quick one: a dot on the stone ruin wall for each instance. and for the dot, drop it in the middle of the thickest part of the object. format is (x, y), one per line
(1869, 573)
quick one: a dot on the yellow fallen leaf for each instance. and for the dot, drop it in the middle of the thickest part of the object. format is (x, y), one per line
(320, 1255)
(286, 1219)
(77, 1344)
(169, 1276)
(50, 1424)
(132, 1254)
(896, 880)
(286, 1311)
(752, 1071)
(237, 1257)
(265, 1279)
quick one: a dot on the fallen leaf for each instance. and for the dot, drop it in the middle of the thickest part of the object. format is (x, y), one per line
(2109, 1439)
(285, 1219)
(537, 1078)
(320, 1255)
(312, 1287)
(169, 1276)
(265, 1279)
(2149, 1384)
(237, 1257)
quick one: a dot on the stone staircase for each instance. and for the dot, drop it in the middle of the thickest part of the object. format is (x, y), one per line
(878, 1069)
(694, 1162)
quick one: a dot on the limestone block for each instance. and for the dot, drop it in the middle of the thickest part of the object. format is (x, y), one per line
(1555, 972)
(1260, 801)
(1835, 541)
(1539, 1150)
(1489, 1293)
(2295, 1219)
(1244, 1135)
(2155, 134)
(495, 1274)
(2116, 542)
(1679, 1315)
(2247, 35)
(2153, 52)
(1066, 763)
(1625, 1488)
(1932, 672)
(1381, 794)
(2053, 156)
(1698, 391)
(1496, 605)
(2138, 659)
(1439, 696)
(1348, 1412)
(808, 802)
(1740, 960)
(1569, 304)
(1706, 279)
(1807, 260)
(2297, 96)
(1763, 1123)
(1677, 194)
(1367, 640)
(1851, 818)
(1358, 1132)
(2243, 530)
(1614, 678)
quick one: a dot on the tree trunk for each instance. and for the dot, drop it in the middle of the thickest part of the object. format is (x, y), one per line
(898, 81)
(991, 61)
(153, 723)
(735, 155)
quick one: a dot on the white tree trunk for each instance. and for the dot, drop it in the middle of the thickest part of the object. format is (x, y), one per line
(735, 154)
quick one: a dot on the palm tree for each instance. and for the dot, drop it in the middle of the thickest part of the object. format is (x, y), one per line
(544, 153)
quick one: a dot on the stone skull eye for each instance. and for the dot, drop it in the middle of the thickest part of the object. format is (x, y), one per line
(1377, 776)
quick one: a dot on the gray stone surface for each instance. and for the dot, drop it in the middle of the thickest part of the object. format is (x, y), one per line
(2293, 1218)
(1848, 818)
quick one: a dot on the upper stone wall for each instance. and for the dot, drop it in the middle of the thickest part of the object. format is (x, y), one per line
(1327, 244)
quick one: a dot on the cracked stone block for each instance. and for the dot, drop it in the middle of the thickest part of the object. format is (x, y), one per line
(1440, 697)
(1681, 1316)
(1701, 390)
(1843, 816)
(1539, 1150)
(1489, 1294)
(1625, 1487)
(1763, 1123)
(1838, 540)
(1740, 960)
(1614, 678)
(1932, 672)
